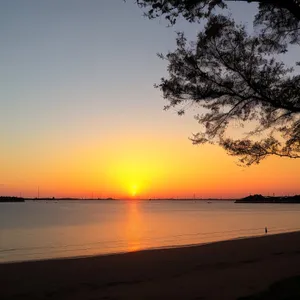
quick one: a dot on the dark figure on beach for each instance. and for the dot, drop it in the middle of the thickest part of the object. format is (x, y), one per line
(266, 230)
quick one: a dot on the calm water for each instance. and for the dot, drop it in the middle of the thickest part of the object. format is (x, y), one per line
(39, 230)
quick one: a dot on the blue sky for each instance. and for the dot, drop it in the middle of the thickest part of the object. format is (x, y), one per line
(89, 61)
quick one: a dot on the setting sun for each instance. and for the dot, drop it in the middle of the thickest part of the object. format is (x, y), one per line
(134, 190)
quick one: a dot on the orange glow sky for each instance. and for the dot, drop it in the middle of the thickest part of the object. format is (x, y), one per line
(146, 169)
(80, 116)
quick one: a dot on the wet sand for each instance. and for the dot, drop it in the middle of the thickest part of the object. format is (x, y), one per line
(222, 270)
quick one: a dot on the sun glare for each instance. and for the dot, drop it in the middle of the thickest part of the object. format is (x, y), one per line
(134, 190)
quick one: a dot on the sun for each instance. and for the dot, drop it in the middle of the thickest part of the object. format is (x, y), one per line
(134, 190)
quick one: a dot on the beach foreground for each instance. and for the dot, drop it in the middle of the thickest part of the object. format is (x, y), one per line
(223, 270)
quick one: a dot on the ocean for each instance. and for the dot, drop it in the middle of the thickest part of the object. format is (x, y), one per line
(36, 230)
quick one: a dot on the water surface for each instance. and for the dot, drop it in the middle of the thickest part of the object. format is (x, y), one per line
(42, 230)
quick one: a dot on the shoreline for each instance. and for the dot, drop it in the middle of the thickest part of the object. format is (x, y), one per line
(146, 249)
(220, 270)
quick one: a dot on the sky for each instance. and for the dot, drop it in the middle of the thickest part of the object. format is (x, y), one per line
(79, 115)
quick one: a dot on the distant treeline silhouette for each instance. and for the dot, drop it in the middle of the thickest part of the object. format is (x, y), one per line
(11, 199)
(262, 199)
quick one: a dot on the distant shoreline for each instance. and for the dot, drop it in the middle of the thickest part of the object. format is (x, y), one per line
(20, 199)
(249, 199)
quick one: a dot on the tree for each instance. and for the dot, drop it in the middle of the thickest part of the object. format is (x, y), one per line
(236, 78)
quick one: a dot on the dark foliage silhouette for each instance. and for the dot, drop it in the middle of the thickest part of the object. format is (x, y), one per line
(235, 78)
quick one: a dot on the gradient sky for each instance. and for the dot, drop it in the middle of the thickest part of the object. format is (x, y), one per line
(80, 117)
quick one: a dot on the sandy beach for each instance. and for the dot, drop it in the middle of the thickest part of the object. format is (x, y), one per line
(222, 270)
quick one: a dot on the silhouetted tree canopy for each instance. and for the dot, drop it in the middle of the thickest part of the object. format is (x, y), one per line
(236, 78)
